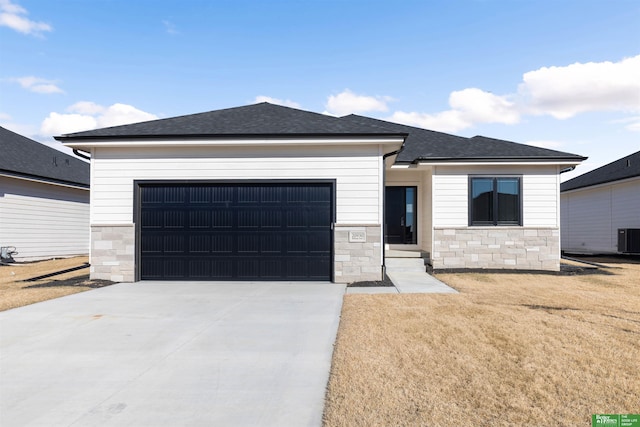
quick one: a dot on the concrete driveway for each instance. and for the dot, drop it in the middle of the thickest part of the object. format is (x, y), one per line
(171, 354)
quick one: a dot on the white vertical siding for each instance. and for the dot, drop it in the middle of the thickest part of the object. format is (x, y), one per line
(539, 193)
(540, 199)
(43, 220)
(356, 170)
(592, 216)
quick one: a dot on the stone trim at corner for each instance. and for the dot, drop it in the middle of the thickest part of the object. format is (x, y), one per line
(521, 248)
(357, 252)
(113, 252)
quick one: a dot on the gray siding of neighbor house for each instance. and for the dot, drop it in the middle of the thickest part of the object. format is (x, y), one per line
(43, 220)
(591, 216)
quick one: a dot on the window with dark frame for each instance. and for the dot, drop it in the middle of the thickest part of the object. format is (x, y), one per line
(495, 200)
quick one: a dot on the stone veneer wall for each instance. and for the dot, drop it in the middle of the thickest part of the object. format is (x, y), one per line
(113, 252)
(356, 261)
(523, 248)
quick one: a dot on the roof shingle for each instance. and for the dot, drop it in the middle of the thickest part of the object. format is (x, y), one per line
(266, 119)
(261, 119)
(624, 168)
(25, 157)
(425, 145)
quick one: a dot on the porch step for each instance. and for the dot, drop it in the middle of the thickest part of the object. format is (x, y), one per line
(405, 264)
(395, 253)
(406, 261)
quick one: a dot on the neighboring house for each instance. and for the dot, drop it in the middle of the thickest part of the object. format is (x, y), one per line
(44, 199)
(266, 192)
(597, 204)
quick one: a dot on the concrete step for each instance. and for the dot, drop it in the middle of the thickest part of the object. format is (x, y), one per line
(405, 264)
(395, 253)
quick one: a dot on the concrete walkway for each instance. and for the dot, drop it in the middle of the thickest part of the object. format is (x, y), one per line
(171, 354)
(408, 272)
(407, 282)
(415, 282)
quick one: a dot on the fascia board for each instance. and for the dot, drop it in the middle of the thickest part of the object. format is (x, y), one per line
(227, 142)
(503, 163)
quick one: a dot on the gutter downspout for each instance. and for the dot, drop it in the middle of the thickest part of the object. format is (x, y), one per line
(384, 181)
(569, 169)
(79, 154)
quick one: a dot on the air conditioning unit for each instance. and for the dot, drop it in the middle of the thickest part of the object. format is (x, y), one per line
(629, 240)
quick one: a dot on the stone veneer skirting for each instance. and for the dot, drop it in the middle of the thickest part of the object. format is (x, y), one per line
(356, 261)
(113, 252)
(522, 248)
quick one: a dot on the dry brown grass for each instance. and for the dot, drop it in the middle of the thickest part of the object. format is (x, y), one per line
(16, 293)
(510, 349)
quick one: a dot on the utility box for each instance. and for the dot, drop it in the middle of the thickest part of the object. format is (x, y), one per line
(629, 240)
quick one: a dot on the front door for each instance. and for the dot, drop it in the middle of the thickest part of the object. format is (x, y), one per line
(401, 215)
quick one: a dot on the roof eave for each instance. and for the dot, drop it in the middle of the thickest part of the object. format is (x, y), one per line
(43, 180)
(575, 160)
(75, 137)
(600, 183)
(232, 140)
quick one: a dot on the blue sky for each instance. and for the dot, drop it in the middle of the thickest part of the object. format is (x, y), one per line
(562, 74)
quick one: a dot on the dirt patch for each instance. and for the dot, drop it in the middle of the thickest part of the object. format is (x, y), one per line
(510, 349)
(371, 283)
(15, 291)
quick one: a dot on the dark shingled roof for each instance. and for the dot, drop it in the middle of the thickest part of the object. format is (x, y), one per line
(262, 119)
(21, 156)
(624, 168)
(266, 119)
(423, 144)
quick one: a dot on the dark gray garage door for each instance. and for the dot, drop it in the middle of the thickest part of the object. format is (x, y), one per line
(249, 231)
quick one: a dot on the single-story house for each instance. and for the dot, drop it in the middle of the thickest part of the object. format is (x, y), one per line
(44, 199)
(265, 192)
(597, 205)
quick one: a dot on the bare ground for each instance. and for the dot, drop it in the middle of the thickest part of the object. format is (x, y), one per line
(510, 349)
(16, 292)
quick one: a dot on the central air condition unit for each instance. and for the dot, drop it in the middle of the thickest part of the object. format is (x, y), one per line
(629, 240)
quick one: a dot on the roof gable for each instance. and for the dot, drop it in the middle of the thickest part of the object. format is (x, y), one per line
(261, 119)
(28, 158)
(624, 168)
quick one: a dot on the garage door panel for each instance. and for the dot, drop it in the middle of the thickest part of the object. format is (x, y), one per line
(236, 231)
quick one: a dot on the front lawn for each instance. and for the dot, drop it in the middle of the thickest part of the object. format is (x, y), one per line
(510, 349)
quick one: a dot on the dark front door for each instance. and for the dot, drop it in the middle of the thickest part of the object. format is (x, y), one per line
(252, 231)
(400, 215)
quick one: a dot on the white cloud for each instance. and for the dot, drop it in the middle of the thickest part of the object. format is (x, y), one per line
(6, 121)
(468, 107)
(634, 127)
(57, 124)
(38, 85)
(563, 92)
(347, 102)
(631, 123)
(122, 114)
(86, 107)
(170, 27)
(14, 17)
(86, 115)
(276, 101)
